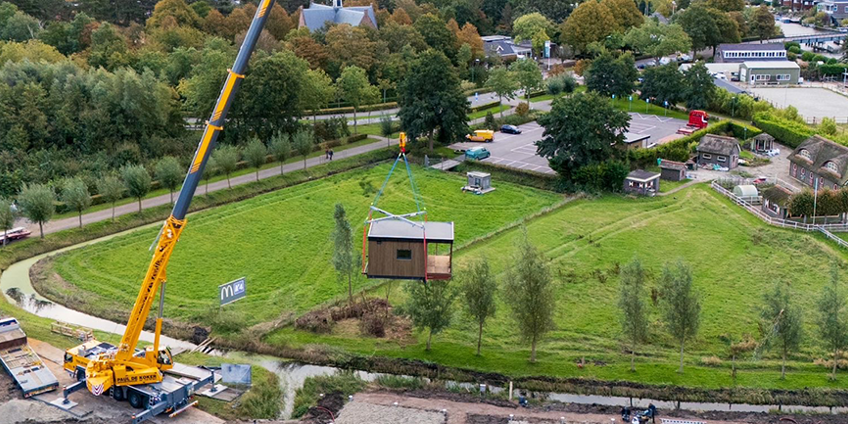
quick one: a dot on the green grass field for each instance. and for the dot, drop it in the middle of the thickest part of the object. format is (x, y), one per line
(280, 242)
(735, 259)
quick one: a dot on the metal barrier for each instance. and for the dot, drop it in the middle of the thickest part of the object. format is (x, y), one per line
(676, 421)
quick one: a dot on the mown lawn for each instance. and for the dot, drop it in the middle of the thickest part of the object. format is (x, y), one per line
(735, 260)
(281, 243)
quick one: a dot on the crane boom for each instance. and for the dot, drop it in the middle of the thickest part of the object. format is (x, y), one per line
(126, 368)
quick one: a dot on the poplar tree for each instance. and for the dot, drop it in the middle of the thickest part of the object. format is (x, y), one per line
(478, 287)
(681, 305)
(634, 323)
(7, 218)
(36, 202)
(76, 196)
(783, 321)
(529, 292)
(833, 328)
(110, 189)
(137, 181)
(343, 255)
(430, 306)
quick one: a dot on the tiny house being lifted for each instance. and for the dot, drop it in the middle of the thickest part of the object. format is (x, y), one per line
(403, 249)
(406, 246)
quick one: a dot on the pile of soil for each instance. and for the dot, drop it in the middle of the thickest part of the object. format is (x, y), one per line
(332, 402)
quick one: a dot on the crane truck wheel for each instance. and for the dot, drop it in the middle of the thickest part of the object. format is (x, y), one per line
(118, 393)
(136, 400)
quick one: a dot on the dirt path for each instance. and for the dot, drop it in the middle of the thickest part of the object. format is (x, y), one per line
(457, 412)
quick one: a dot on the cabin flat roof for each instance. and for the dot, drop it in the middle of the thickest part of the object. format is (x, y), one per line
(403, 230)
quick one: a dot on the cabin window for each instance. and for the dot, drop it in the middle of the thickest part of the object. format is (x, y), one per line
(404, 254)
(774, 207)
(706, 155)
(804, 153)
(721, 158)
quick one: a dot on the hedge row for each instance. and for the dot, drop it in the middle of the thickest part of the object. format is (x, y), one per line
(833, 69)
(33, 246)
(681, 149)
(349, 109)
(485, 106)
(786, 132)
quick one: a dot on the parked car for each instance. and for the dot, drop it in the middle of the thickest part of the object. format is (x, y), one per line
(665, 60)
(648, 64)
(760, 180)
(481, 136)
(478, 153)
(684, 58)
(510, 129)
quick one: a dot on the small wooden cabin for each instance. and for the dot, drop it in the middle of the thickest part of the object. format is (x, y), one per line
(404, 249)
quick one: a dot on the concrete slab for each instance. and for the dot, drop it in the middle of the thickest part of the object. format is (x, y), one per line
(217, 389)
(811, 102)
(60, 403)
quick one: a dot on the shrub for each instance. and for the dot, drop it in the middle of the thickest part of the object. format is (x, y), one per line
(490, 121)
(484, 106)
(554, 86)
(522, 109)
(711, 361)
(581, 66)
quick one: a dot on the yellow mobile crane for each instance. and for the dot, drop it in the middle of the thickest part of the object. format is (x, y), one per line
(138, 376)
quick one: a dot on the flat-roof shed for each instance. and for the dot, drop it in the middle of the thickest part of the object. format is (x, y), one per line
(400, 248)
(770, 72)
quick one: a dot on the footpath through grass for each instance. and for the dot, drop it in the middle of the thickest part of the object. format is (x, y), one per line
(735, 259)
(280, 242)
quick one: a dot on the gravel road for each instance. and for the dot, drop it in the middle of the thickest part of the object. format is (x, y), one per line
(357, 412)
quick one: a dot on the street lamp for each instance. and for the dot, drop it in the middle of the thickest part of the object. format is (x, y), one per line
(474, 68)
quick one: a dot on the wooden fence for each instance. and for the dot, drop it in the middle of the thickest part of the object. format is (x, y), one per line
(778, 222)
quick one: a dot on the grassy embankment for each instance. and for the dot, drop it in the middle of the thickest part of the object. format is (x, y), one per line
(279, 242)
(735, 259)
(39, 328)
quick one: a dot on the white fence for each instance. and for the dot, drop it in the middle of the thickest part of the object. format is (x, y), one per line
(783, 223)
(833, 237)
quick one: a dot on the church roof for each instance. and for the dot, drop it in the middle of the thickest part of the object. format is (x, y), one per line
(317, 15)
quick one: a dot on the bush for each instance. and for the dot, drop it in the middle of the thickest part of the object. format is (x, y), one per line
(795, 49)
(522, 109)
(807, 56)
(711, 361)
(554, 86)
(490, 121)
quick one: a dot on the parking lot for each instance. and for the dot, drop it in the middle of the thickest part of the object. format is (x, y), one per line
(519, 150)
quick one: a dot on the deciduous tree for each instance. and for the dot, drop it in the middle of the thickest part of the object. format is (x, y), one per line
(526, 26)
(303, 142)
(528, 75)
(529, 291)
(478, 287)
(436, 34)
(581, 129)
(280, 147)
(782, 322)
(657, 40)
(344, 258)
(36, 203)
(318, 91)
(431, 100)
(430, 305)
(590, 21)
(76, 197)
(610, 75)
(227, 158)
(762, 23)
(7, 218)
(681, 306)
(832, 323)
(663, 83)
(110, 189)
(137, 182)
(255, 154)
(169, 173)
(354, 87)
(625, 13)
(503, 83)
(634, 322)
(699, 86)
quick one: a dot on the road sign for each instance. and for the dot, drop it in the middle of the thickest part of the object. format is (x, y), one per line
(232, 291)
(547, 49)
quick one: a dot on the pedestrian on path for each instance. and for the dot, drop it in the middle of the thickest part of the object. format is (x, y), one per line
(331, 154)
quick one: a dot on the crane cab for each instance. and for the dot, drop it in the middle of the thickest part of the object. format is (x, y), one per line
(409, 250)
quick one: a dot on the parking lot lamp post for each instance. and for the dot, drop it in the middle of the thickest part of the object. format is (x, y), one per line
(630, 97)
(647, 102)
